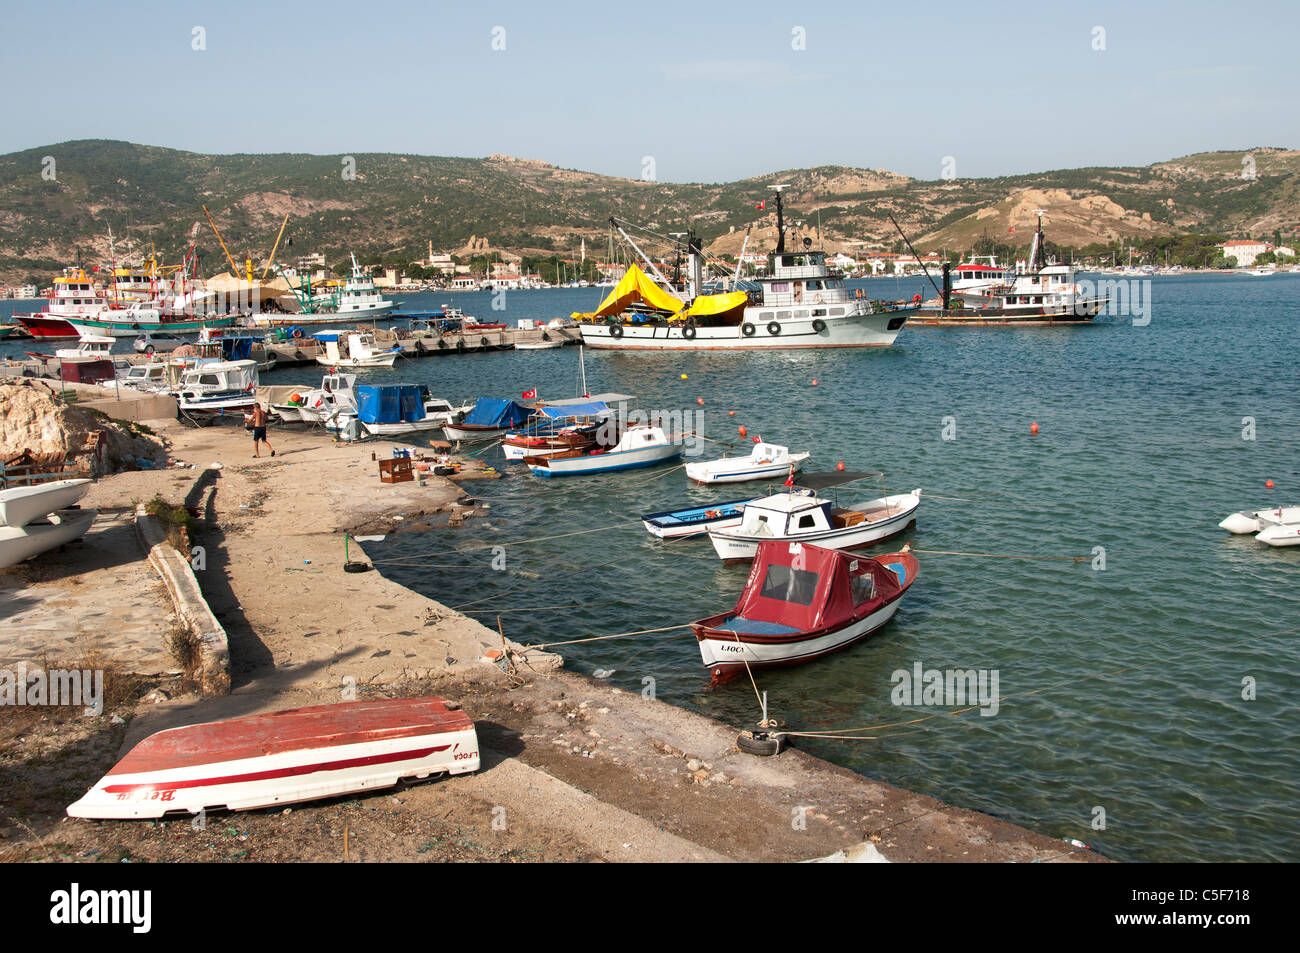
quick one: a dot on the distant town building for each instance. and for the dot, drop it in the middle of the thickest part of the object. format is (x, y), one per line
(1247, 250)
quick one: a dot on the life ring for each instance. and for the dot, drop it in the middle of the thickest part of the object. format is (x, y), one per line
(688, 332)
(817, 298)
(747, 329)
(297, 332)
(818, 325)
(483, 342)
(616, 330)
(773, 328)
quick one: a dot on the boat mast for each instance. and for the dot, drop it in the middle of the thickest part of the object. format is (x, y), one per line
(780, 220)
(637, 248)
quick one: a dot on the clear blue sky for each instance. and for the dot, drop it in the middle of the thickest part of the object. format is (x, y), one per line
(712, 92)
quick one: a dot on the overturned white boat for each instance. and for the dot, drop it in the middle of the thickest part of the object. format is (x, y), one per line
(20, 505)
(765, 462)
(61, 526)
(1276, 527)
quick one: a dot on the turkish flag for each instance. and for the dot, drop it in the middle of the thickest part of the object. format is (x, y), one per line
(530, 394)
(789, 481)
(761, 205)
(1012, 228)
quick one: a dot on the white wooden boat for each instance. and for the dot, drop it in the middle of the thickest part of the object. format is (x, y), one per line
(91, 347)
(538, 345)
(285, 757)
(217, 387)
(802, 516)
(358, 350)
(638, 447)
(765, 462)
(1276, 527)
(20, 505)
(62, 526)
(802, 602)
(694, 520)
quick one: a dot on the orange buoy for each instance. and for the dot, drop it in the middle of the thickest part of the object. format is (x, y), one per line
(741, 430)
(731, 413)
(1033, 428)
(1269, 484)
(700, 401)
(840, 465)
(814, 382)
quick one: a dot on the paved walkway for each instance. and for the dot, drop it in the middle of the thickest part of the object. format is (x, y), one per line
(98, 599)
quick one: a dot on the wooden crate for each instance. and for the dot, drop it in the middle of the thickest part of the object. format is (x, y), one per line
(397, 470)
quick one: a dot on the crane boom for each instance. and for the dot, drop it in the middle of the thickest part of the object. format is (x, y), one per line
(276, 246)
(234, 269)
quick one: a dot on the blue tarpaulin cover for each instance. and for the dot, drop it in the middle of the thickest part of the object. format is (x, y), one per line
(236, 348)
(390, 403)
(327, 335)
(494, 412)
(593, 409)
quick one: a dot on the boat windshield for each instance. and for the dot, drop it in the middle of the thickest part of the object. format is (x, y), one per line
(789, 585)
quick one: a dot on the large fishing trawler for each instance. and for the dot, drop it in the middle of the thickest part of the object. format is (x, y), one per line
(799, 302)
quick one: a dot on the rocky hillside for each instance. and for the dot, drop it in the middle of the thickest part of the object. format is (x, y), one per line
(58, 202)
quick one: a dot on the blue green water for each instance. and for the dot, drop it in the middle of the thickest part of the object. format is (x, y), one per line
(1140, 451)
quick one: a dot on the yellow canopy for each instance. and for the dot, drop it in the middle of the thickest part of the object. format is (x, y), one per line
(706, 306)
(634, 286)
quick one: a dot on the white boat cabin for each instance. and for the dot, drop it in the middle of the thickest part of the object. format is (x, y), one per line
(794, 514)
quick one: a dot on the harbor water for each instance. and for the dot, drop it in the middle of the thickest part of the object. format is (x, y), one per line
(1163, 720)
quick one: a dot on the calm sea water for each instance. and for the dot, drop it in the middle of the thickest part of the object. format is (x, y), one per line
(1140, 451)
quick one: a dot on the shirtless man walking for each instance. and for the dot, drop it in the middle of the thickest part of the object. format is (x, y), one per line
(258, 418)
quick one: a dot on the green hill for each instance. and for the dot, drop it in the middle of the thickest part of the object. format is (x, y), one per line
(396, 204)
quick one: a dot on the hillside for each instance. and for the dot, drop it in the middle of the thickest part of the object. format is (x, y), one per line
(396, 204)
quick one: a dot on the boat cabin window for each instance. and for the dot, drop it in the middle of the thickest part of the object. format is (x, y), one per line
(209, 380)
(780, 286)
(862, 588)
(807, 521)
(789, 585)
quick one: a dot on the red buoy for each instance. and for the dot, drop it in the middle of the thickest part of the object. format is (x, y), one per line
(741, 430)
(700, 401)
(1033, 428)
(755, 439)
(814, 382)
(1269, 484)
(731, 413)
(840, 465)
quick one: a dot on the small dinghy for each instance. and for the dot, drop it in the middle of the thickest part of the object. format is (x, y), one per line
(766, 461)
(22, 504)
(800, 515)
(638, 447)
(285, 757)
(801, 602)
(1276, 527)
(678, 524)
(38, 536)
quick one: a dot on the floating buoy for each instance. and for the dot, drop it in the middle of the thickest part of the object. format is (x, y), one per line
(683, 377)
(1269, 484)
(814, 382)
(840, 465)
(700, 401)
(741, 430)
(1033, 428)
(731, 413)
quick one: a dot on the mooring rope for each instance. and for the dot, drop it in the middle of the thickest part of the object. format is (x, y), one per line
(945, 552)
(572, 605)
(999, 502)
(851, 734)
(406, 560)
(601, 638)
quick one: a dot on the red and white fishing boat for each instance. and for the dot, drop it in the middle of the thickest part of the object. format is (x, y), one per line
(75, 297)
(801, 602)
(285, 757)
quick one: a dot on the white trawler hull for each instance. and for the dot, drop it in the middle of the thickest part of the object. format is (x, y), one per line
(863, 328)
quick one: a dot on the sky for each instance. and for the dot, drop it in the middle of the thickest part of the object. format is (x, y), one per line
(693, 92)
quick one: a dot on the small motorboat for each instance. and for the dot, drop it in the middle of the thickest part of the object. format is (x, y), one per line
(801, 602)
(538, 345)
(765, 462)
(20, 505)
(799, 514)
(358, 350)
(285, 757)
(1276, 527)
(38, 536)
(694, 521)
(637, 447)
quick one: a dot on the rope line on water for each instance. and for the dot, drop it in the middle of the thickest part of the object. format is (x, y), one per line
(573, 605)
(405, 560)
(999, 502)
(851, 734)
(946, 552)
(601, 638)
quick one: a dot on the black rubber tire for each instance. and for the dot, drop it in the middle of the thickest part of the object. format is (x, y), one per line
(688, 332)
(483, 342)
(773, 328)
(748, 329)
(357, 567)
(148, 349)
(545, 336)
(818, 325)
(764, 747)
(442, 345)
(616, 330)
(460, 346)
